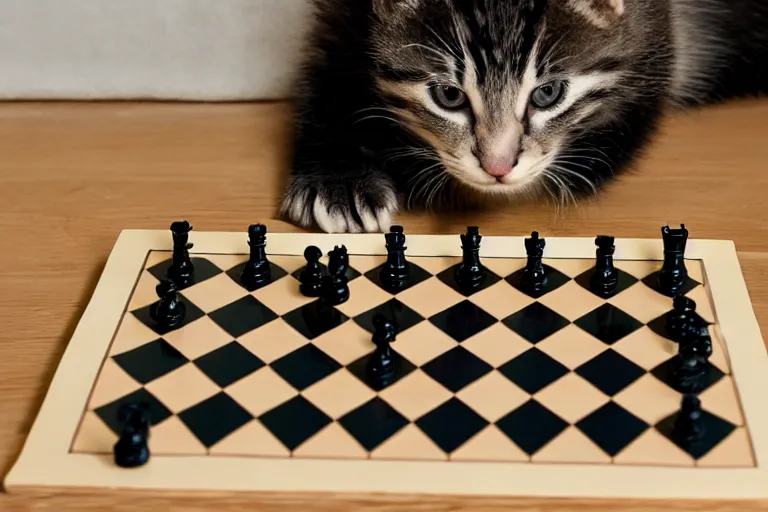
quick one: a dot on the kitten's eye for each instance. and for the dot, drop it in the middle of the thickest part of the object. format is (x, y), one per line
(548, 95)
(447, 97)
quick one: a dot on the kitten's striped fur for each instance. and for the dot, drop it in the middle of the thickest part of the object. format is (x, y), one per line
(372, 134)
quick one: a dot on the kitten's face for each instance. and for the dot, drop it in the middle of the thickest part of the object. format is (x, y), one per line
(503, 90)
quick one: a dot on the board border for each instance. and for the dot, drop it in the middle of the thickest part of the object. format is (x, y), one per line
(46, 462)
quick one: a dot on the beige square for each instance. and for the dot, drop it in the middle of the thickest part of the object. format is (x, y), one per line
(261, 391)
(415, 395)
(226, 261)
(282, 296)
(172, 437)
(722, 399)
(93, 436)
(497, 344)
(198, 338)
(332, 442)
(503, 267)
(490, 445)
(733, 452)
(719, 350)
(653, 449)
(695, 270)
(435, 264)
(568, 266)
(144, 293)
(364, 295)
(182, 388)
(111, 384)
(571, 301)
(409, 443)
(493, 396)
(215, 292)
(252, 439)
(571, 397)
(365, 263)
(642, 302)
(646, 348)
(700, 295)
(156, 257)
(338, 394)
(130, 335)
(422, 343)
(430, 297)
(347, 343)
(649, 399)
(572, 446)
(288, 263)
(572, 346)
(638, 268)
(273, 340)
(501, 300)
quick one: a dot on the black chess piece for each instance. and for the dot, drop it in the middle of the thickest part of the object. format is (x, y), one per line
(691, 362)
(257, 272)
(181, 270)
(680, 316)
(605, 279)
(470, 273)
(688, 428)
(311, 277)
(381, 365)
(534, 276)
(394, 273)
(132, 448)
(335, 287)
(673, 273)
(169, 311)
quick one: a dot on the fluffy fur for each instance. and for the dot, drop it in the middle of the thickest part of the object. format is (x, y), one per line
(407, 103)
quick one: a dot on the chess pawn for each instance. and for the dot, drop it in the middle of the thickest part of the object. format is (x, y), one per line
(606, 277)
(132, 448)
(680, 316)
(673, 273)
(534, 276)
(381, 365)
(470, 273)
(256, 272)
(394, 273)
(335, 288)
(311, 277)
(181, 269)
(169, 310)
(690, 364)
(688, 429)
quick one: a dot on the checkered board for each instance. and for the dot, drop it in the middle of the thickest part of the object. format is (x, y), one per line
(496, 393)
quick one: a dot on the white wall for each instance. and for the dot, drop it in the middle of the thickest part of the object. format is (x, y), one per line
(150, 49)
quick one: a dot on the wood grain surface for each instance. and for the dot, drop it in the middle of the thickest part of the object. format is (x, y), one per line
(73, 175)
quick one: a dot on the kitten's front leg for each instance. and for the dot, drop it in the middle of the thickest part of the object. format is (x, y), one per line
(339, 195)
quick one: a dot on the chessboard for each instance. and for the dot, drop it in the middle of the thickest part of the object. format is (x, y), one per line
(594, 367)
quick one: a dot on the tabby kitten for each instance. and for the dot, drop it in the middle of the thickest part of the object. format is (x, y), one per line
(410, 102)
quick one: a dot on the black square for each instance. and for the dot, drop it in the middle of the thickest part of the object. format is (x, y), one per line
(276, 273)
(215, 418)
(144, 316)
(532, 426)
(448, 277)
(451, 425)
(228, 364)
(351, 273)
(401, 316)
(359, 368)
(158, 412)
(608, 323)
(652, 282)
(665, 372)
(151, 361)
(714, 428)
(456, 368)
(242, 316)
(625, 280)
(305, 366)
(294, 421)
(416, 275)
(315, 318)
(204, 269)
(610, 372)
(555, 279)
(463, 320)
(533, 370)
(612, 428)
(535, 322)
(373, 423)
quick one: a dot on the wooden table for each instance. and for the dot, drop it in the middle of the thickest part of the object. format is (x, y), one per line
(72, 176)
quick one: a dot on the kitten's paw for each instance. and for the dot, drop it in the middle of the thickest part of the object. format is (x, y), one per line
(356, 206)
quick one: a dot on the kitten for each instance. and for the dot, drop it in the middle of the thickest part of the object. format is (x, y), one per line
(407, 102)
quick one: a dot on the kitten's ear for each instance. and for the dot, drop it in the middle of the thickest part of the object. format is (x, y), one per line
(602, 13)
(387, 8)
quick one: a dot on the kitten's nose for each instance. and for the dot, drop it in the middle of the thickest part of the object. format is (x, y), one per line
(499, 167)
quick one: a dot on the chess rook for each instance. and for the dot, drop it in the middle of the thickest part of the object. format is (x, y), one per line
(256, 272)
(471, 273)
(132, 448)
(181, 269)
(394, 274)
(311, 276)
(605, 278)
(673, 272)
(335, 287)
(534, 277)
(169, 310)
